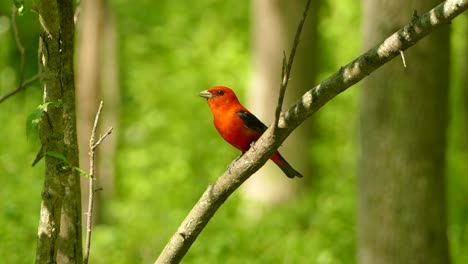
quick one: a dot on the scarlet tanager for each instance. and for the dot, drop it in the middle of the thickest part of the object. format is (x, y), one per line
(238, 126)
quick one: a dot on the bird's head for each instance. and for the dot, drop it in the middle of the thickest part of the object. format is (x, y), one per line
(219, 95)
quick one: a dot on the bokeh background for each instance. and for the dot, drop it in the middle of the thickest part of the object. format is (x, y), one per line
(166, 150)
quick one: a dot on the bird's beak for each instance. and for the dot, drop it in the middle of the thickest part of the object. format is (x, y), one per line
(205, 94)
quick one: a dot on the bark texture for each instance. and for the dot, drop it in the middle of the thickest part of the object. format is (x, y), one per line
(404, 114)
(59, 232)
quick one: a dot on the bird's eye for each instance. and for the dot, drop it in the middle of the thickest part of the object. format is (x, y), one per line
(220, 92)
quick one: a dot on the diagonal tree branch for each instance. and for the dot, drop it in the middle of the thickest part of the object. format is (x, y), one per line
(310, 102)
(20, 87)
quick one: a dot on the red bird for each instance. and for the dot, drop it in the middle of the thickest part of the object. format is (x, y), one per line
(238, 126)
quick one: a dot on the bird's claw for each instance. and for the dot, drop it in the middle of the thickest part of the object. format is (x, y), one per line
(252, 145)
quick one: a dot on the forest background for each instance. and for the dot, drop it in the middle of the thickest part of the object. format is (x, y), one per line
(167, 151)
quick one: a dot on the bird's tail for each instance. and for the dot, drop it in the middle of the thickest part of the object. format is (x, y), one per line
(284, 165)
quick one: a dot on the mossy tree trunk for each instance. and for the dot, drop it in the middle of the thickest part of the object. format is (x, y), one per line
(404, 115)
(59, 232)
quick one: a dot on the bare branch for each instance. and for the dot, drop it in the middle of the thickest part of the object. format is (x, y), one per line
(22, 84)
(20, 87)
(92, 190)
(19, 45)
(402, 54)
(109, 131)
(217, 193)
(286, 67)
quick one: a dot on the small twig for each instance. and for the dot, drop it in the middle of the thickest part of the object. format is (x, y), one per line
(19, 45)
(109, 131)
(22, 84)
(402, 54)
(77, 14)
(286, 67)
(92, 151)
(283, 67)
(20, 87)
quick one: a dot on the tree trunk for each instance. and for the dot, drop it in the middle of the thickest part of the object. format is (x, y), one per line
(274, 26)
(59, 232)
(402, 204)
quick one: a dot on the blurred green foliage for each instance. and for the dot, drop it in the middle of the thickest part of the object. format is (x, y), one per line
(168, 150)
(457, 149)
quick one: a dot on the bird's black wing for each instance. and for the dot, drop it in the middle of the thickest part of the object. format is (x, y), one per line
(252, 121)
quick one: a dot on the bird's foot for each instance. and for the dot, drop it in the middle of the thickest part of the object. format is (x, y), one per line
(252, 145)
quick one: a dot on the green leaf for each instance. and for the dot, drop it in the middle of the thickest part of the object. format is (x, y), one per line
(58, 104)
(19, 4)
(32, 122)
(57, 155)
(45, 105)
(67, 166)
(80, 170)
